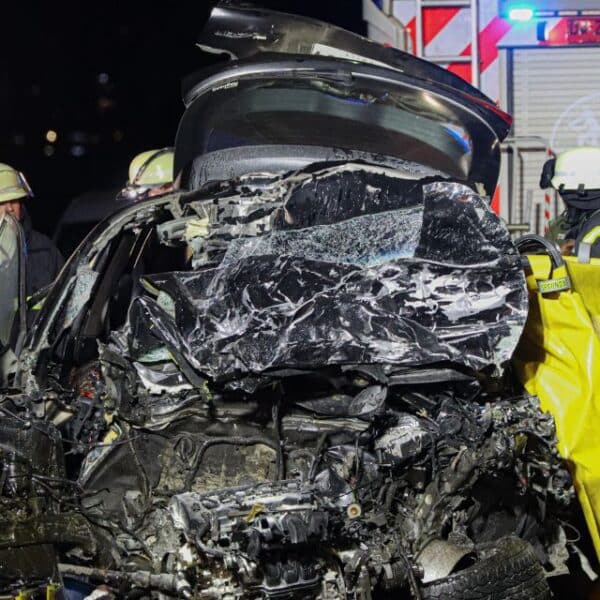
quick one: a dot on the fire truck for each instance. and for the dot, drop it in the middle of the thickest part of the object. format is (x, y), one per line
(539, 59)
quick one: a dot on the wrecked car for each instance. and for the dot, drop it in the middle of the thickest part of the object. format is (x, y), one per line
(288, 381)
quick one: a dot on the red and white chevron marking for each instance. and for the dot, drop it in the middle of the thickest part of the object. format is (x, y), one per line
(548, 203)
(447, 32)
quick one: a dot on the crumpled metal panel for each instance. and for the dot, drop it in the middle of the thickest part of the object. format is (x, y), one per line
(435, 281)
(246, 32)
(321, 196)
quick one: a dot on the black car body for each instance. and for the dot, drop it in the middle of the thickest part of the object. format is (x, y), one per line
(287, 381)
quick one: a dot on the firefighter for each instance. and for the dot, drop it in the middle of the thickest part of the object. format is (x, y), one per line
(575, 174)
(44, 260)
(150, 174)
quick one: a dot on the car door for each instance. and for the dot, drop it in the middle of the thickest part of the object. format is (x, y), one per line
(12, 295)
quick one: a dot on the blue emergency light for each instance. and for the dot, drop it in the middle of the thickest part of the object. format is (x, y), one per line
(521, 14)
(524, 11)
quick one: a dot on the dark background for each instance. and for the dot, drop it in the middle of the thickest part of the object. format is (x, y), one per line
(105, 76)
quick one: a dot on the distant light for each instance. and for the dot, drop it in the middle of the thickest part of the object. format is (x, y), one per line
(105, 104)
(103, 78)
(51, 136)
(78, 150)
(48, 150)
(521, 13)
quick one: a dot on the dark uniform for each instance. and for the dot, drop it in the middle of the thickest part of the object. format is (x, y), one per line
(574, 226)
(558, 229)
(44, 261)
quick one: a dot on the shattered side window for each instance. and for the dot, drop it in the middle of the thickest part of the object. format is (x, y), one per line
(84, 284)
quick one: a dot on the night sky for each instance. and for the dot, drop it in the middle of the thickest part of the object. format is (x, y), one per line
(105, 77)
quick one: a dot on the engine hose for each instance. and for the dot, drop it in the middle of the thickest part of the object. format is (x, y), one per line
(280, 456)
(317, 457)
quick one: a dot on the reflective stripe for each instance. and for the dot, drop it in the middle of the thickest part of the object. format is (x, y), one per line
(12, 189)
(584, 252)
(591, 237)
(38, 305)
(551, 286)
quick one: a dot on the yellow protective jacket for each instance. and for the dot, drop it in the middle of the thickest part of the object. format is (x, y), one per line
(558, 360)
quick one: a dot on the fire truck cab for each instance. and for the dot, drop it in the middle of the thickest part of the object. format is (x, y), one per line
(539, 59)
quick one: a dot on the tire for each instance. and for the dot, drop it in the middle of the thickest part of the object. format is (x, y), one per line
(508, 570)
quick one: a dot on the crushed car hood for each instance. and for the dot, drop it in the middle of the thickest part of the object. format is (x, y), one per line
(356, 265)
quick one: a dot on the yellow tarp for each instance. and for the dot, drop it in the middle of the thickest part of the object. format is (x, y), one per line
(558, 360)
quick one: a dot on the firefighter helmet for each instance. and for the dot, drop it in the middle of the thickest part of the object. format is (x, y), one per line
(154, 167)
(13, 185)
(150, 174)
(577, 170)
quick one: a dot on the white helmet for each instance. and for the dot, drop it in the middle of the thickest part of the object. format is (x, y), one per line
(577, 170)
